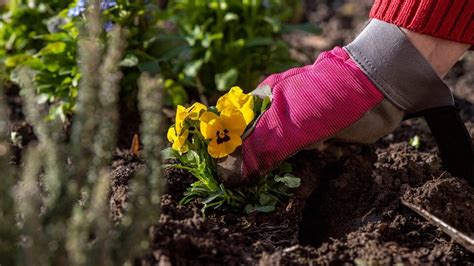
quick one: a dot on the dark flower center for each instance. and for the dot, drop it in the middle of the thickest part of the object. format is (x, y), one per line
(222, 136)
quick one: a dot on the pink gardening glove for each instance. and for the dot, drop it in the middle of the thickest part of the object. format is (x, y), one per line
(309, 104)
(355, 94)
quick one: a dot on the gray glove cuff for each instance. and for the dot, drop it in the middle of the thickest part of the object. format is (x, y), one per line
(397, 68)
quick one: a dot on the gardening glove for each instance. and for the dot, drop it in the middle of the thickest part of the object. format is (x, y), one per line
(355, 94)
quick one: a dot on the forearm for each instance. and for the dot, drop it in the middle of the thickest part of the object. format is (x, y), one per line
(441, 54)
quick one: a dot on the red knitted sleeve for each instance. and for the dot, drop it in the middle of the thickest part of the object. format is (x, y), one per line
(447, 19)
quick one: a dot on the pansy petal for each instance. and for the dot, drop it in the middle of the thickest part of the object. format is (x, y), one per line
(180, 116)
(235, 99)
(223, 149)
(205, 119)
(214, 150)
(239, 97)
(181, 139)
(171, 135)
(234, 142)
(234, 121)
(182, 149)
(196, 110)
(229, 100)
(247, 112)
(224, 103)
(213, 127)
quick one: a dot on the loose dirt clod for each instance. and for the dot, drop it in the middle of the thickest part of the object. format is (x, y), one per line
(464, 240)
(353, 217)
(450, 199)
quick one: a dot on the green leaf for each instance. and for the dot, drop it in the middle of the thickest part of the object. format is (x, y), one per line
(268, 208)
(415, 142)
(15, 60)
(265, 104)
(53, 48)
(273, 22)
(211, 198)
(227, 79)
(164, 41)
(151, 67)
(175, 93)
(55, 37)
(229, 16)
(266, 199)
(130, 60)
(209, 38)
(289, 180)
(259, 41)
(213, 109)
(249, 208)
(192, 69)
(191, 157)
(169, 153)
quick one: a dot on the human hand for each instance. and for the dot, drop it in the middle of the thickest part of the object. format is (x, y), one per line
(355, 94)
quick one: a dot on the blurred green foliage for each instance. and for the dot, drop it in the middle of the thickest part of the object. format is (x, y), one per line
(21, 22)
(54, 206)
(220, 43)
(200, 47)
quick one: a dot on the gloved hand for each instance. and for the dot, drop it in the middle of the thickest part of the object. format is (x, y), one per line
(355, 94)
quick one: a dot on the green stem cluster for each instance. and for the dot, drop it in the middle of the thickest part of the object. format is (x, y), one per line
(58, 211)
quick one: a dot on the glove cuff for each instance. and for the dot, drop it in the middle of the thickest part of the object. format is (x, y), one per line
(398, 70)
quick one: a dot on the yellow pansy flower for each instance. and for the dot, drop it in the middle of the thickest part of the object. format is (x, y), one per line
(178, 134)
(224, 131)
(236, 99)
(193, 112)
(180, 117)
(178, 139)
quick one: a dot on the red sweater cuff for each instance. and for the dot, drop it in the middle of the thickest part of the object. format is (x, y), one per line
(447, 19)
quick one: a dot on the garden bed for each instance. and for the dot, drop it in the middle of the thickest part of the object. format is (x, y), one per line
(353, 216)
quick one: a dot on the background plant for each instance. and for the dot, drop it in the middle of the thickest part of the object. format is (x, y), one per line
(55, 58)
(57, 212)
(220, 43)
(199, 46)
(19, 25)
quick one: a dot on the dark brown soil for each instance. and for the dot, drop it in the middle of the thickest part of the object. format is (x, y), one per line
(124, 166)
(449, 199)
(355, 215)
(21, 132)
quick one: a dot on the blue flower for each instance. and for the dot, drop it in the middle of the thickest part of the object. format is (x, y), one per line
(106, 4)
(76, 11)
(81, 7)
(108, 26)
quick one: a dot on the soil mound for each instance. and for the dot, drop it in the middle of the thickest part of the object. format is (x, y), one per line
(450, 199)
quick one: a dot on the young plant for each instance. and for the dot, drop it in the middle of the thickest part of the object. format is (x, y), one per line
(220, 43)
(202, 135)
